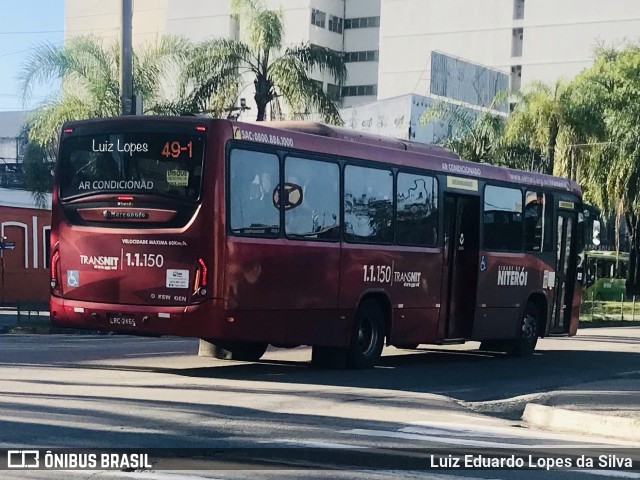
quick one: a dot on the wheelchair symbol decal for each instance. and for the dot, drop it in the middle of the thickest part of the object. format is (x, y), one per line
(483, 263)
(73, 278)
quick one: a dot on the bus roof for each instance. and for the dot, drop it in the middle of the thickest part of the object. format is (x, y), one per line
(424, 156)
(352, 143)
(342, 133)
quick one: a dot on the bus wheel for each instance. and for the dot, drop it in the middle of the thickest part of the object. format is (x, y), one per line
(525, 344)
(244, 351)
(367, 339)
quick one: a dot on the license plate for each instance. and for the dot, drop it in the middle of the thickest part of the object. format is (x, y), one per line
(122, 320)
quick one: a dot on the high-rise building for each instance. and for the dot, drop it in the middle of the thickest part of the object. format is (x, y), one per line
(528, 39)
(350, 26)
(388, 44)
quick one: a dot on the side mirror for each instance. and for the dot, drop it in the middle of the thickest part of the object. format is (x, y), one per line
(596, 232)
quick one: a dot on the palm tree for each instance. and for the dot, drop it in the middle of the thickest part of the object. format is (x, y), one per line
(474, 135)
(89, 73)
(277, 72)
(479, 136)
(540, 116)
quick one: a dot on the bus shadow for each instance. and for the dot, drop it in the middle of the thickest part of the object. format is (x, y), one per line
(464, 375)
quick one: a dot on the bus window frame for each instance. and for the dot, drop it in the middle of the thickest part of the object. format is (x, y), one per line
(248, 146)
(550, 203)
(284, 155)
(489, 183)
(363, 163)
(439, 190)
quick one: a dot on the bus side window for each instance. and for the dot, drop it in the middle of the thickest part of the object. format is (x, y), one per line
(502, 218)
(251, 182)
(318, 214)
(368, 204)
(417, 210)
(538, 219)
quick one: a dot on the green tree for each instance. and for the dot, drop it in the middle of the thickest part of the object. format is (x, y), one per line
(277, 72)
(474, 135)
(479, 137)
(37, 165)
(540, 117)
(609, 89)
(88, 72)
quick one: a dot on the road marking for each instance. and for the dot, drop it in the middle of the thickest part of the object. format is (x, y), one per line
(154, 353)
(158, 476)
(609, 473)
(458, 440)
(424, 427)
(421, 474)
(312, 444)
(427, 438)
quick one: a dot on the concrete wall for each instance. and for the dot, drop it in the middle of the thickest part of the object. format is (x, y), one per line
(397, 117)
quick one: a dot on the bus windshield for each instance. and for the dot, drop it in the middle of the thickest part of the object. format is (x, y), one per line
(148, 163)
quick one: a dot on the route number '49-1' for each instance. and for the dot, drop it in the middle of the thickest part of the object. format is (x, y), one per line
(377, 273)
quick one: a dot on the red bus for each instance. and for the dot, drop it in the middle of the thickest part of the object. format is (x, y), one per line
(246, 235)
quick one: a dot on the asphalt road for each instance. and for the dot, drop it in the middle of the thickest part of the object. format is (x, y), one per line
(113, 391)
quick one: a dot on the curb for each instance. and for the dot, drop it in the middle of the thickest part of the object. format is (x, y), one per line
(554, 418)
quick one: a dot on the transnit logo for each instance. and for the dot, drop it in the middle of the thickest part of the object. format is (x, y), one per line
(100, 262)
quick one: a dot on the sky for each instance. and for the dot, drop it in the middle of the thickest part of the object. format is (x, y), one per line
(25, 25)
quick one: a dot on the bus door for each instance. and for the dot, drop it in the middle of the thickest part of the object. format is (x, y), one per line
(566, 256)
(460, 265)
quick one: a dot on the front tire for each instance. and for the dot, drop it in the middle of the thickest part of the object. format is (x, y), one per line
(525, 344)
(367, 339)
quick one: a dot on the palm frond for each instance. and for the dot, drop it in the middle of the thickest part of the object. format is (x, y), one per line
(264, 28)
(460, 118)
(46, 120)
(321, 59)
(302, 93)
(45, 63)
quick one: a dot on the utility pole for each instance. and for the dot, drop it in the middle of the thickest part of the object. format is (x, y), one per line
(126, 59)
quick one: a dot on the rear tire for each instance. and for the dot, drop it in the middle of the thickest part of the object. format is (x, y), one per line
(367, 339)
(525, 344)
(242, 351)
